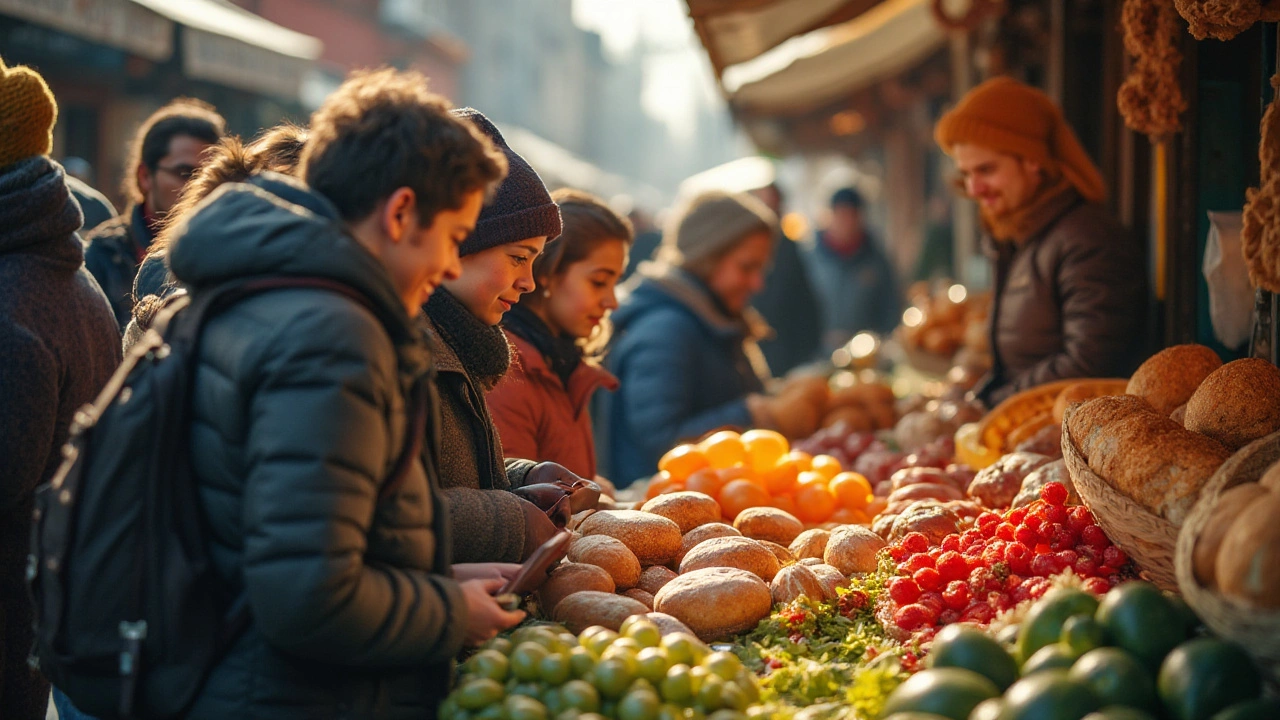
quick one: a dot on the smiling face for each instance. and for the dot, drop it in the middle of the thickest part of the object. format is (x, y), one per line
(420, 259)
(739, 274)
(999, 182)
(493, 280)
(582, 295)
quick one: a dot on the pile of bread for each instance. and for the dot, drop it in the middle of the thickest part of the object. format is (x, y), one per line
(943, 326)
(1184, 413)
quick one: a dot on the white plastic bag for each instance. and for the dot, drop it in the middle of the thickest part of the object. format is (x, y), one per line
(1230, 294)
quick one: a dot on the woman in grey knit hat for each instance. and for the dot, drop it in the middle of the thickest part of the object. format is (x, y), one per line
(686, 353)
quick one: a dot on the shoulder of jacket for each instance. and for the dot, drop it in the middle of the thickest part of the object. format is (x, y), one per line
(310, 318)
(109, 231)
(1087, 222)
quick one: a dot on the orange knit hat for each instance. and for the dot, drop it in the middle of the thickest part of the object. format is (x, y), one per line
(27, 112)
(1007, 116)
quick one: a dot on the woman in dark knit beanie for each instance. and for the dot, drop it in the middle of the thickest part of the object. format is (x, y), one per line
(494, 516)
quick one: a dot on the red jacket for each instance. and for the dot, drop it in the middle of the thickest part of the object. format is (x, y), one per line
(538, 418)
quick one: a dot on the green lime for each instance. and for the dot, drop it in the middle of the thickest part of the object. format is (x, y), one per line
(677, 686)
(581, 661)
(519, 707)
(1049, 695)
(652, 664)
(526, 660)
(1050, 657)
(592, 716)
(555, 669)
(727, 714)
(527, 689)
(553, 700)
(580, 695)
(1190, 623)
(683, 648)
(501, 644)
(1119, 712)
(614, 676)
(448, 707)
(694, 713)
(916, 716)
(724, 664)
(497, 711)
(1043, 624)
(1083, 633)
(641, 629)
(1261, 709)
(569, 714)
(1202, 676)
(950, 692)
(1116, 678)
(622, 645)
(642, 684)
(965, 647)
(478, 693)
(988, 710)
(639, 705)
(599, 641)
(489, 664)
(747, 682)
(1140, 619)
(710, 692)
(542, 635)
(1008, 635)
(667, 711)
(732, 697)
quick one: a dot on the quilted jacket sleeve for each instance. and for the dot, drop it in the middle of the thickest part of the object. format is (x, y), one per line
(318, 448)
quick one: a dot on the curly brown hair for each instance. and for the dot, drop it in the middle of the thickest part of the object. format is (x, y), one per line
(383, 130)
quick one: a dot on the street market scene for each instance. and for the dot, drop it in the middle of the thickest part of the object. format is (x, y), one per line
(640, 359)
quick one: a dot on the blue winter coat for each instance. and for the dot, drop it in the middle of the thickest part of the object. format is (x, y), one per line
(858, 292)
(685, 368)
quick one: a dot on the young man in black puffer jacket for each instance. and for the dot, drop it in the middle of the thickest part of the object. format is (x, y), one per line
(300, 414)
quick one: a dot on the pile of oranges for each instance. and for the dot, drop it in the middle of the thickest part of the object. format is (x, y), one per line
(759, 469)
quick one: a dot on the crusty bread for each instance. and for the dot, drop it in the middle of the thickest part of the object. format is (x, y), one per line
(1145, 455)
(1238, 403)
(1170, 377)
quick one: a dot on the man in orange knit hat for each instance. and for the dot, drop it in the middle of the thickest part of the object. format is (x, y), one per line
(58, 347)
(1069, 281)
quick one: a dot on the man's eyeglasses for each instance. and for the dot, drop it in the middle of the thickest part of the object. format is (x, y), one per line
(182, 172)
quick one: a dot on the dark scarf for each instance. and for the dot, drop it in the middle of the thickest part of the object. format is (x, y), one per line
(35, 205)
(1053, 199)
(482, 349)
(563, 355)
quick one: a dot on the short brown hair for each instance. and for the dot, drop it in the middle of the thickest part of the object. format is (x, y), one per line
(181, 116)
(383, 130)
(588, 222)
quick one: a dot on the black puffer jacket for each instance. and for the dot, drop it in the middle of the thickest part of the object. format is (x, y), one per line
(112, 253)
(299, 418)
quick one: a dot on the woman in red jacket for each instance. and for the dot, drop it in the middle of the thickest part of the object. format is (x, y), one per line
(558, 332)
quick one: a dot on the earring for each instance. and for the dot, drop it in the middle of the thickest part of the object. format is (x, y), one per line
(546, 293)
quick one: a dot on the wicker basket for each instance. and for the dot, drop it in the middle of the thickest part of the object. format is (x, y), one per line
(1256, 630)
(1147, 538)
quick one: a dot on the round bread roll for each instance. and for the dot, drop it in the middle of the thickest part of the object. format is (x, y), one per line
(784, 555)
(668, 625)
(795, 580)
(570, 577)
(653, 578)
(653, 538)
(735, 552)
(832, 579)
(933, 520)
(1170, 377)
(716, 602)
(1237, 404)
(767, 523)
(686, 509)
(583, 609)
(642, 596)
(1230, 505)
(810, 544)
(852, 549)
(1271, 478)
(702, 534)
(1248, 565)
(610, 554)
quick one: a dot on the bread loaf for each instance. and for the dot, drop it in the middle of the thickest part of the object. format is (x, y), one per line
(1238, 403)
(1170, 377)
(1145, 455)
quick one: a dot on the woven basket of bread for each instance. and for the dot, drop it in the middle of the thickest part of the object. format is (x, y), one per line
(1147, 538)
(1237, 619)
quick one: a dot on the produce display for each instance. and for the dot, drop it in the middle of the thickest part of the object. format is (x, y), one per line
(955, 565)
(947, 323)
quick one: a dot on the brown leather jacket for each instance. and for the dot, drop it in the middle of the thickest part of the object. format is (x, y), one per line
(1070, 301)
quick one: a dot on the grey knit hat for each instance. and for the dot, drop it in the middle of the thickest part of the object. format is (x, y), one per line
(711, 224)
(520, 209)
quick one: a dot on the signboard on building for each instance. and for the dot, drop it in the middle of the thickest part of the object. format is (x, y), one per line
(121, 24)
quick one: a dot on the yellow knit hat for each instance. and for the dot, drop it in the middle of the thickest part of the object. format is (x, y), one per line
(1007, 116)
(27, 113)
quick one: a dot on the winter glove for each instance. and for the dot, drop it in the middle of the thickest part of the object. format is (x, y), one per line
(584, 493)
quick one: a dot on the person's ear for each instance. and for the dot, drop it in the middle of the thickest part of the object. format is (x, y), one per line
(398, 213)
(144, 178)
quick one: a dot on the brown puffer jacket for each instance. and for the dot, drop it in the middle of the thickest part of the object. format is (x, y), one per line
(1069, 302)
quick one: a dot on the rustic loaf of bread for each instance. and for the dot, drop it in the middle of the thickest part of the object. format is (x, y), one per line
(1145, 455)
(1169, 378)
(1237, 404)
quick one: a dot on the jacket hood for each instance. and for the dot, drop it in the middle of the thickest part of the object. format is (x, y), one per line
(658, 285)
(273, 225)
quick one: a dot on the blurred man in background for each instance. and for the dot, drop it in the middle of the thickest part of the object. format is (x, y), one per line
(787, 302)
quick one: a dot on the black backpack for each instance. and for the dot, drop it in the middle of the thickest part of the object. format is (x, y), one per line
(130, 616)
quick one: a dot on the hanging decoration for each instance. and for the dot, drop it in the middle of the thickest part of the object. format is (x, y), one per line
(1224, 19)
(1260, 234)
(1151, 100)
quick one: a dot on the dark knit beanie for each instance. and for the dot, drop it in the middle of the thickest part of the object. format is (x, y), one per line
(520, 209)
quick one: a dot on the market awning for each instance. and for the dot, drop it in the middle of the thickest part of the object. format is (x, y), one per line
(816, 68)
(222, 43)
(560, 167)
(734, 31)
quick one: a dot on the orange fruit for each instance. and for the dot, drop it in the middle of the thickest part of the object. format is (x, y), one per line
(764, 448)
(724, 450)
(814, 503)
(852, 490)
(810, 477)
(846, 516)
(782, 478)
(784, 502)
(803, 459)
(826, 465)
(876, 506)
(705, 481)
(682, 461)
(661, 483)
(738, 495)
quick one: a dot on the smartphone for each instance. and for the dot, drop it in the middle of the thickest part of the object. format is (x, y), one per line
(534, 570)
